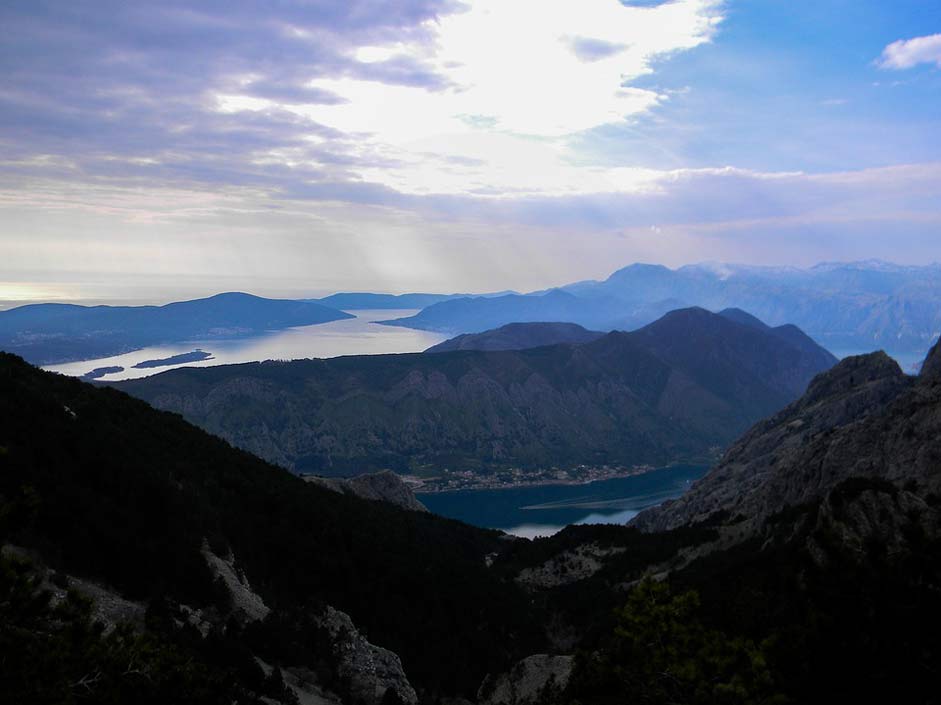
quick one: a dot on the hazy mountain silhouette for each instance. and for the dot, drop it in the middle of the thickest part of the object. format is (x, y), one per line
(51, 333)
(843, 306)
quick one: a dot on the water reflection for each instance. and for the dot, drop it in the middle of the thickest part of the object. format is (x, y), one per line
(353, 336)
(545, 510)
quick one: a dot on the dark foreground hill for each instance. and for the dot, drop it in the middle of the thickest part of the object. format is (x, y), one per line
(50, 333)
(813, 575)
(216, 578)
(678, 389)
(214, 558)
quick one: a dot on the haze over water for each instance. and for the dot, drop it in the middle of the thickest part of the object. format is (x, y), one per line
(353, 336)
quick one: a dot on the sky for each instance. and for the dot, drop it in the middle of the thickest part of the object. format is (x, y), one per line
(151, 151)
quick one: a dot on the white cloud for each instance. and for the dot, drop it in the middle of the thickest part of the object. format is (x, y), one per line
(521, 76)
(906, 53)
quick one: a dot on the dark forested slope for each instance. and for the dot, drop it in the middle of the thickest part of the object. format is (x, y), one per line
(677, 389)
(104, 487)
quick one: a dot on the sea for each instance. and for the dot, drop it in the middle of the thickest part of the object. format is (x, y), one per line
(353, 336)
(543, 510)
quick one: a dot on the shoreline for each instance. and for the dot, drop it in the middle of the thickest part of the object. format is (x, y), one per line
(419, 489)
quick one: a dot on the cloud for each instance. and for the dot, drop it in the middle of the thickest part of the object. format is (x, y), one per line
(340, 235)
(312, 139)
(907, 53)
(415, 96)
(521, 79)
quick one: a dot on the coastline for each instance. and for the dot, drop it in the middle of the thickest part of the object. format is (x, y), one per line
(466, 482)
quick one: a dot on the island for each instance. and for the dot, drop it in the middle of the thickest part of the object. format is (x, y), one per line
(194, 356)
(99, 372)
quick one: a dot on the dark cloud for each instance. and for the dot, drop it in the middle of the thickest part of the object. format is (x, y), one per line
(118, 88)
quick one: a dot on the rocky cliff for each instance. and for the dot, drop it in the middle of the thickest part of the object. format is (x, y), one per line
(862, 419)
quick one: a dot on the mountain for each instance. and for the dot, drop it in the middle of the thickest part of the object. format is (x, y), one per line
(806, 563)
(209, 568)
(478, 314)
(624, 399)
(863, 418)
(145, 561)
(789, 333)
(859, 306)
(519, 336)
(51, 333)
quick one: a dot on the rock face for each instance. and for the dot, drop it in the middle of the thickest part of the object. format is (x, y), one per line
(862, 419)
(677, 389)
(370, 671)
(532, 680)
(383, 486)
(858, 514)
(932, 367)
(567, 567)
(246, 603)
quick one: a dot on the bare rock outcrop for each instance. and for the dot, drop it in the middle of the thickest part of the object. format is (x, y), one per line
(246, 603)
(860, 515)
(384, 486)
(567, 567)
(371, 671)
(531, 680)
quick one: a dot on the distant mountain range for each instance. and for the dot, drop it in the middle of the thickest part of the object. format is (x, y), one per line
(51, 333)
(676, 389)
(845, 306)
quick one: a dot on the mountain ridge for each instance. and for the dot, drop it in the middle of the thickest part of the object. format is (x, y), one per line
(51, 333)
(613, 401)
(859, 306)
(519, 336)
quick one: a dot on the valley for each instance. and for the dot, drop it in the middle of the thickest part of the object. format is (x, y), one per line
(674, 391)
(534, 509)
(470, 352)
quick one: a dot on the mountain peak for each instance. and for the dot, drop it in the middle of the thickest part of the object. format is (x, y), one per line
(853, 372)
(743, 317)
